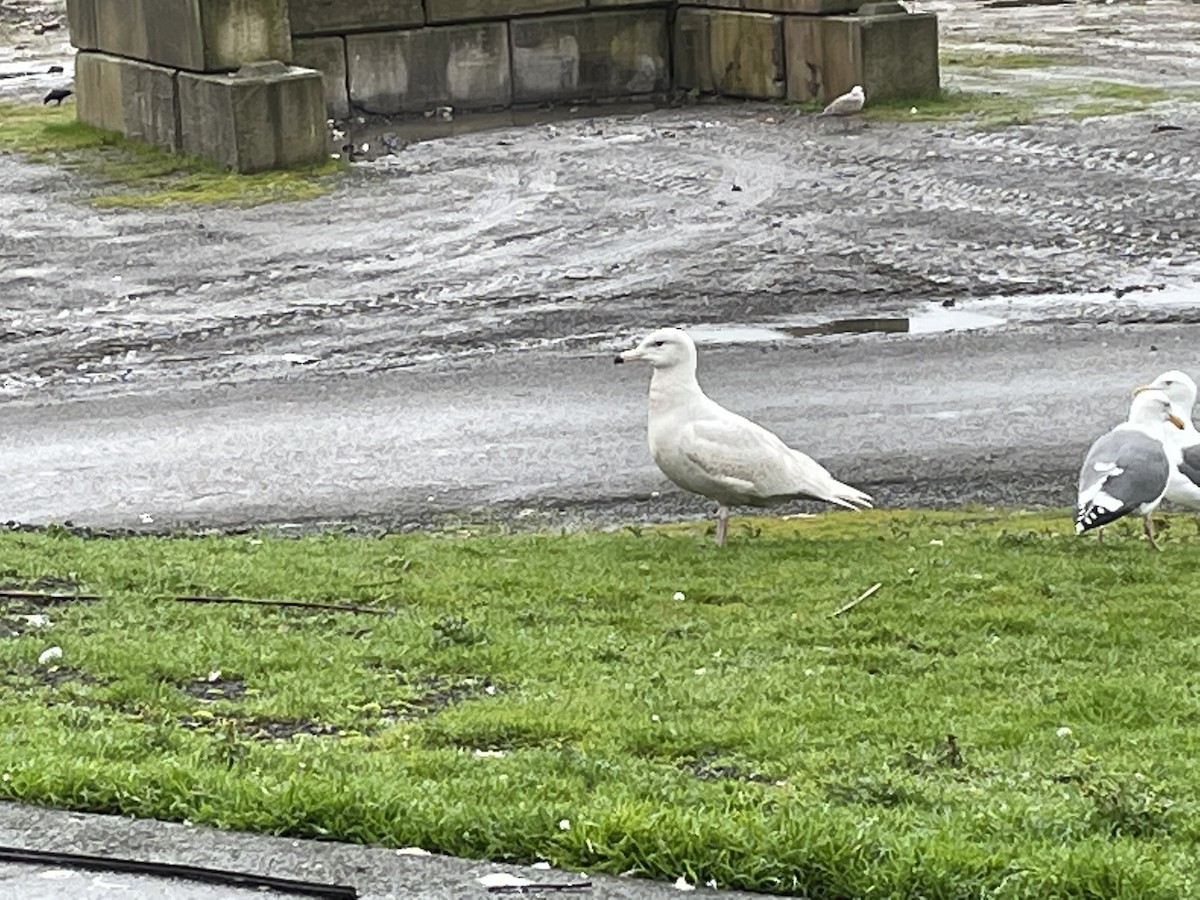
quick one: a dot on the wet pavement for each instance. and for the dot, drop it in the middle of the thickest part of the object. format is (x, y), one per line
(377, 873)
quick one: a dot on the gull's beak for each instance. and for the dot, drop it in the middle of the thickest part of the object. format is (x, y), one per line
(1176, 421)
(626, 355)
(1140, 388)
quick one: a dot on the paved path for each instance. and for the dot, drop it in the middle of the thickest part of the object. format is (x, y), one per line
(377, 873)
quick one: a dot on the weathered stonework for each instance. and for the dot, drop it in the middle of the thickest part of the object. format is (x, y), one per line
(310, 17)
(200, 35)
(328, 56)
(590, 56)
(463, 66)
(159, 69)
(134, 98)
(737, 54)
(889, 55)
(474, 10)
(265, 116)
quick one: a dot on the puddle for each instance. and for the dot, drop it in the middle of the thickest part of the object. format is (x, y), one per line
(933, 320)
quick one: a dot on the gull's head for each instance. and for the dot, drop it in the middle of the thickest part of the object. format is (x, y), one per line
(856, 91)
(1151, 406)
(663, 349)
(1176, 385)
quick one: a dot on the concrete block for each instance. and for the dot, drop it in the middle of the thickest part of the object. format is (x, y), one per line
(348, 16)
(590, 56)
(264, 116)
(893, 55)
(328, 56)
(200, 35)
(81, 23)
(474, 10)
(135, 98)
(804, 7)
(464, 66)
(737, 54)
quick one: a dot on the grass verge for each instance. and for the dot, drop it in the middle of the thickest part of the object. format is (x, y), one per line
(1013, 714)
(999, 59)
(986, 110)
(132, 174)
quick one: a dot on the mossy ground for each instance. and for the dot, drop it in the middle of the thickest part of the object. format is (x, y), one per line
(132, 174)
(642, 700)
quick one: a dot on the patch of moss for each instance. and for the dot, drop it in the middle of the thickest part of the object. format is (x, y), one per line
(996, 59)
(133, 174)
(986, 110)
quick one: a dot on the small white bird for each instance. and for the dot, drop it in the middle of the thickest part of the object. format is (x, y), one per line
(708, 450)
(1126, 470)
(1183, 486)
(849, 104)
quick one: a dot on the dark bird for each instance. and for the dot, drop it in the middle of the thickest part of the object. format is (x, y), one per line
(57, 96)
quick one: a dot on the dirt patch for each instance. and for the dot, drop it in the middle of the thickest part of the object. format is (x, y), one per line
(258, 729)
(438, 693)
(210, 689)
(48, 676)
(708, 767)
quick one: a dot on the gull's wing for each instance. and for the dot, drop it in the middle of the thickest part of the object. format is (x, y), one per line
(1124, 469)
(845, 105)
(754, 464)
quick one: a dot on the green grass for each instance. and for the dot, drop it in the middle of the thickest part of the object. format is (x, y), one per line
(995, 59)
(132, 174)
(986, 110)
(547, 697)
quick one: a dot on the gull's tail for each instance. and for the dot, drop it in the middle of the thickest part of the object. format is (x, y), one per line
(849, 497)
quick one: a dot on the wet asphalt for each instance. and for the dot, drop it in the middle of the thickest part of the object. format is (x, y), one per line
(998, 416)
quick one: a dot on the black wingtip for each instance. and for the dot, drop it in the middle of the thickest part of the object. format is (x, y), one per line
(618, 361)
(1089, 517)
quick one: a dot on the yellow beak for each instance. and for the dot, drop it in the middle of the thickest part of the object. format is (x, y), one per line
(1139, 389)
(1176, 421)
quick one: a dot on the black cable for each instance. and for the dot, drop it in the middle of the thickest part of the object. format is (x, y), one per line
(175, 870)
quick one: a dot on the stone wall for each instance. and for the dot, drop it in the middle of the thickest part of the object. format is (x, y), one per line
(209, 77)
(216, 77)
(394, 57)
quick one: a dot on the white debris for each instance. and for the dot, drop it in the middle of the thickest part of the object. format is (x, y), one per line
(682, 884)
(413, 851)
(49, 654)
(679, 595)
(36, 620)
(1064, 731)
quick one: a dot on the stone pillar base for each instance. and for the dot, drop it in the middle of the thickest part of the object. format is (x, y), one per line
(890, 55)
(263, 116)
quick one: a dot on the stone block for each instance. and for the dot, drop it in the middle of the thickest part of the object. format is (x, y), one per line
(328, 56)
(464, 66)
(803, 7)
(590, 56)
(134, 98)
(473, 10)
(81, 23)
(264, 116)
(200, 35)
(737, 54)
(894, 55)
(348, 16)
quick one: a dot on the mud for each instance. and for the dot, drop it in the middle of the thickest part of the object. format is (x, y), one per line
(430, 340)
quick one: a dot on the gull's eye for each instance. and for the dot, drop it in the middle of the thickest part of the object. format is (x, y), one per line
(659, 343)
